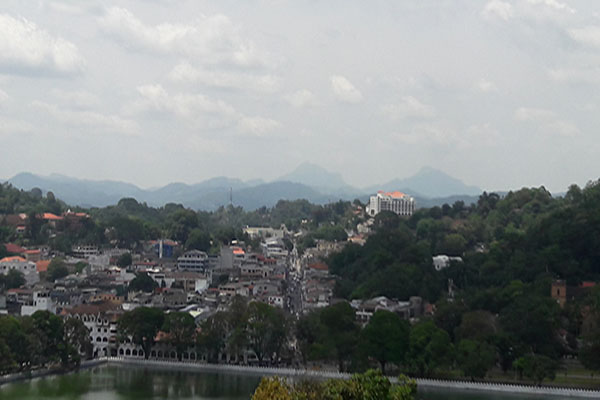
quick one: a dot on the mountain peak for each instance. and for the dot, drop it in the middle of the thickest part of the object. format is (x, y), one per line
(431, 182)
(314, 175)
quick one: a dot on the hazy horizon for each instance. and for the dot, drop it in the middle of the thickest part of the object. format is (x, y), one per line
(500, 94)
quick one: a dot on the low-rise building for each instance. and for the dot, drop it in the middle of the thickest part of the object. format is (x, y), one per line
(193, 260)
(41, 301)
(27, 268)
(443, 261)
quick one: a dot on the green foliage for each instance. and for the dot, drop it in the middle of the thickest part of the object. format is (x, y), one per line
(475, 358)
(12, 279)
(181, 330)
(56, 269)
(386, 338)
(536, 367)
(124, 260)
(198, 240)
(142, 282)
(430, 349)
(371, 385)
(142, 324)
(267, 330)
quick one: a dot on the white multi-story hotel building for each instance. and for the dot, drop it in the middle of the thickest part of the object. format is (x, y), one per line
(396, 202)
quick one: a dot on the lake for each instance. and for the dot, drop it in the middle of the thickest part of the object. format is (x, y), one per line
(131, 383)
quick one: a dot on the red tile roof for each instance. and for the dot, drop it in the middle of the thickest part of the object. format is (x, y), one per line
(51, 217)
(13, 248)
(319, 266)
(42, 265)
(11, 259)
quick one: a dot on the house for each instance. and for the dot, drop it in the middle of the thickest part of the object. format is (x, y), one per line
(27, 268)
(193, 260)
(164, 248)
(41, 301)
(563, 293)
(443, 261)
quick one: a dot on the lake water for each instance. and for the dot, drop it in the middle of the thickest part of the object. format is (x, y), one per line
(129, 383)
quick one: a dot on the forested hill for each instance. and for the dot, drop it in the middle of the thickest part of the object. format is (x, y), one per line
(528, 236)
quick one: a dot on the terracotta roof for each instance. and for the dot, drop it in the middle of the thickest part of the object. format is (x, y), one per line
(52, 217)
(94, 308)
(396, 194)
(42, 265)
(11, 259)
(319, 266)
(32, 251)
(13, 248)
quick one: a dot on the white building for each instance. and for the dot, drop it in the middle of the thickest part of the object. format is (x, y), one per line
(27, 268)
(84, 251)
(41, 302)
(396, 202)
(443, 261)
(193, 260)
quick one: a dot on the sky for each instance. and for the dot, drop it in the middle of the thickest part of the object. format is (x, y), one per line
(501, 94)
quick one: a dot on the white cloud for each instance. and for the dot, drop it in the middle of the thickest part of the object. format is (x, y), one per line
(498, 8)
(553, 4)
(201, 110)
(301, 98)
(4, 97)
(582, 74)
(547, 120)
(344, 90)
(89, 119)
(211, 39)
(185, 72)
(258, 126)
(589, 35)
(9, 126)
(409, 107)
(76, 99)
(486, 86)
(26, 48)
(156, 98)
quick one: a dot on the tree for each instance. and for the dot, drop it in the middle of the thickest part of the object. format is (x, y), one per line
(273, 388)
(124, 260)
(476, 325)
(267, 330)
(198, 240)
(13, 279)
(13, 335)
(142, 282)
(142, 324)
(340, 330)
(386, 338)
(536, 367)
(211, 340)
(429, 348)
(49, 330)
(371, 385)
(56, 270)
(475, 358)
(181, 329)
(77, 342)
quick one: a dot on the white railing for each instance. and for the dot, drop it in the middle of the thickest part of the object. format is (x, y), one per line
(324, 374)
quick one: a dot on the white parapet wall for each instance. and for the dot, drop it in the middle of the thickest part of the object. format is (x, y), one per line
(324, 374)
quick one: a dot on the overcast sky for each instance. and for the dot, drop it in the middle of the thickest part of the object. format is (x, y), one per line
(501, 94)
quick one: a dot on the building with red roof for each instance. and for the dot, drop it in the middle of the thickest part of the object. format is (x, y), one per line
(396, 202)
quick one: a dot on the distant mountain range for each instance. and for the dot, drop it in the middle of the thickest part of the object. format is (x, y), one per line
(429, 186)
